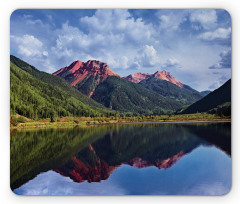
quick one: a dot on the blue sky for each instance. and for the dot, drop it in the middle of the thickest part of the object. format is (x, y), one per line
(194, 45)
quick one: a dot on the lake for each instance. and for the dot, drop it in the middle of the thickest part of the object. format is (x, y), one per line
(122, 159)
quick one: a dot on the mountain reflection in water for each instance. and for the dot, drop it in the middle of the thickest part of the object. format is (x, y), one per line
(93, 154)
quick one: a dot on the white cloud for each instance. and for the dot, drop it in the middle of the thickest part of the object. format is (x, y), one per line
(110, 34)
(121, 62)
(33, 22)
(219, 82)
(45, 53)
(220, 33)
(206, 17)
(118, 23)
(224, 62)
(170, 21)
(124, 61)
(27, 16)
(28, 45)
(148, 56)
(49, 17)
(32, 50)
(29, 20)
(172, 62)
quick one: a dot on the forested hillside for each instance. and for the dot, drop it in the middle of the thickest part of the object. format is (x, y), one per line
(217, 102)
(55, 81)
(123, 95)
(33, 98)
(184, 95)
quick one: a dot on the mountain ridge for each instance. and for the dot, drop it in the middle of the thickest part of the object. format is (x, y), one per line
(164, 75)
(92, 72)
(219, 98)
(119, 94)
(185, 94)
(96, 80)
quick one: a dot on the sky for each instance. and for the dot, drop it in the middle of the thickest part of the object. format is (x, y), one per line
(194, 45)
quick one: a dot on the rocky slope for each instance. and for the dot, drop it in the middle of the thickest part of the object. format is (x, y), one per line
(137, 77)
(85, 76)
(166, 85)
(164, 75)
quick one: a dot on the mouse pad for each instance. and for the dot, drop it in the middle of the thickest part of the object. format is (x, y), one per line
(120, 102)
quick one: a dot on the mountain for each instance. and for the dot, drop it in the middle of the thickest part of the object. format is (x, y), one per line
(36, 94)
(206, 92)
(137, 77)
(218, 101)
(85, 76)
(98, 81)
(119, 94)
(166, 85)
(164, 75)
(184, 94)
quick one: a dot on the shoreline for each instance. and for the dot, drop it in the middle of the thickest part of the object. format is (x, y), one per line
(176, 122)
(84, 124)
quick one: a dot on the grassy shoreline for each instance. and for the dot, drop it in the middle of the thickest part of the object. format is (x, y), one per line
(87, 121)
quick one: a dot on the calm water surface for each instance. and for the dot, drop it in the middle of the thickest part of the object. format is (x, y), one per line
(130, 159)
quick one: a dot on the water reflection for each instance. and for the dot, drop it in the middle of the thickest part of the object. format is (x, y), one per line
(90, 155)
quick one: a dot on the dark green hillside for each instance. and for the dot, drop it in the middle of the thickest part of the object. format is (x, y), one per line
(213, 101)
(33, 98)
(55, 81)
(122, 95)
(185, 95)
(223, 109)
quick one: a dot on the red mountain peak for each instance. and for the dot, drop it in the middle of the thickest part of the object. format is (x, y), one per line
(165, 72)
(164, 75)
(171, 78)
(160, 75)
(77, 71)
(137, 77)
(75, 66)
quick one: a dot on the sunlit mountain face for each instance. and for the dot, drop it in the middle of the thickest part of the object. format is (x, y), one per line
(164, 75)
(78, 73)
